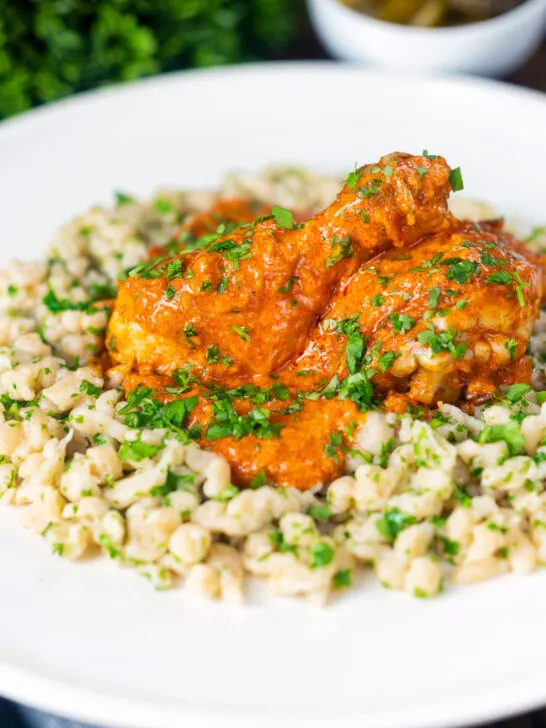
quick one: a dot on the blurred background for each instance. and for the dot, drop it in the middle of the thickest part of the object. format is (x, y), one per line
(50, 49)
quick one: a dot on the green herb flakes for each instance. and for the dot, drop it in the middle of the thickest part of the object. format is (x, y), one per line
(283, 217)
(392, 522)
(322, 554)
(342, 249)
(510, 433)
(287, 287)
(137, 450)
(456, 180)
(242, 331)
(401, 322)
(434, 297)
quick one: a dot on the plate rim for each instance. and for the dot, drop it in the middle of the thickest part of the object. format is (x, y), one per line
(26, 120)
(97, 705)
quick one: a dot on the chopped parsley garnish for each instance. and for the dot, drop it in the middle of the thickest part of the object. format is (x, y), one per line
(517, 392)
(353, 177)
(434, 297)
(277, 540)
(356, 343)
(427, 264)
(226, 422)
(342, 248)
(331, 450)
(292, 409)
(401, 322)
(259, 480)
(222, 286)
(461, 497)
(212, 354)
(137, 450)
(283, 217)
(393, 522)
(510, 433)
(442, 341)
(377, 301)
(234, 252)
(174, 269)
(122, 198)
(183, 377)
(206, 286)
(426, 155)
(242, 331)
(89, 388)
(342, 579)
(463, 303)
(450, 548)
(12, 290)
(189, 332)
(386, 360)
(495, 527)
(144, 410)
(288, 285)
(174, 482)
(163, 206)
(504, 278)
(461, 270)
(370, 188)
(170, 292)
(228, 493)
(56, 305)
(456, 180)
(100, 291)
(322, 554)
(512, 346)
(358, 388)
(489, 260)
(320, 512)
(422, 171)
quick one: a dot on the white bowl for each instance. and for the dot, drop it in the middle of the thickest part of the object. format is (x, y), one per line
(493, 47)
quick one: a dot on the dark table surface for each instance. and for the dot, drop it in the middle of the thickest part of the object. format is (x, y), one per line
(532, 75)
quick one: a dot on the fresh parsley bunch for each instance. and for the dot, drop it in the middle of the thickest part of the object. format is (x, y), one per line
(51, 48)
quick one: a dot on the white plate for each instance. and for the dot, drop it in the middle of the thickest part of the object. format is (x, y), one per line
(96, 642)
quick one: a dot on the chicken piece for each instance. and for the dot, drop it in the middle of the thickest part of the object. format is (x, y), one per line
(283, 334)
(523, 248)
(441, 319)
(255, 293)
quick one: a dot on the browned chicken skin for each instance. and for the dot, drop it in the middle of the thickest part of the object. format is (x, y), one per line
(384, 295)
(236, 284)
(453, 310)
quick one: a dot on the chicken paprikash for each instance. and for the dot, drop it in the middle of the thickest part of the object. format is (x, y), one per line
(271, 333)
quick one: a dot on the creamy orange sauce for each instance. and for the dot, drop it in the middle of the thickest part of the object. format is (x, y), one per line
(382, 297)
